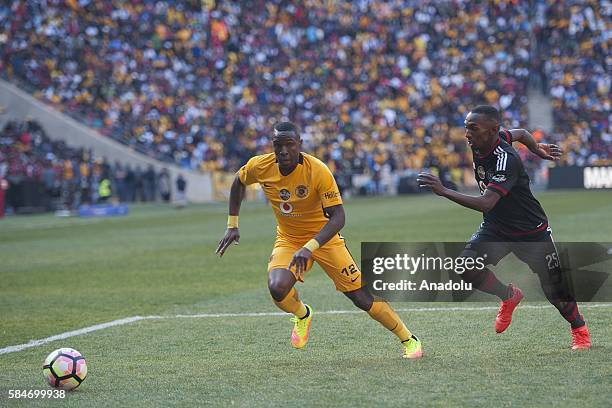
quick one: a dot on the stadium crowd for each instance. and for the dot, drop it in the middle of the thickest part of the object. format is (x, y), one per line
(375, 86)
(575, 40)
(64, 177)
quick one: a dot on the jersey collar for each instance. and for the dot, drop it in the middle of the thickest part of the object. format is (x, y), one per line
(487, 154)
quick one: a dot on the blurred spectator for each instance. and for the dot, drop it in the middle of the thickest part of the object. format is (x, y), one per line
(120, 176)
(164, 185)
(139, 195)
(181, 191)
(130, 184)
(104, 190)
(149, 182)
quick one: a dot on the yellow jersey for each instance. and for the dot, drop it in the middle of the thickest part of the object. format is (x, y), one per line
(299, 198)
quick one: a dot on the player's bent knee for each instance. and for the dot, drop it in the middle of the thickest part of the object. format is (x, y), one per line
(279, 284)
(278, 290)
(362, 304)
(361, 298)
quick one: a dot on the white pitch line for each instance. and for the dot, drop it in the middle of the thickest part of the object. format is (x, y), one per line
(128, 320)
(61, 336)
(356, 311)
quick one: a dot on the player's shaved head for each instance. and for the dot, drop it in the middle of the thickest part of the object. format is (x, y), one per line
(285, 129)
(489, 112)
(482, 126)
(287, 144)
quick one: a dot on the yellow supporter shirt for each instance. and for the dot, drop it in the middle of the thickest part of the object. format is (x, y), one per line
(297, 199)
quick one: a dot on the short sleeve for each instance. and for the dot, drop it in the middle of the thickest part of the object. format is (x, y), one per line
(328, 191)
(248, 173)
(506, 174)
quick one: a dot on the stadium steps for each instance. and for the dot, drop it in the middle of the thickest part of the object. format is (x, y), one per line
(540, 111)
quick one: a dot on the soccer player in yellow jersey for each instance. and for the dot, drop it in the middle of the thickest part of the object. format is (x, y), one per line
(309, 212)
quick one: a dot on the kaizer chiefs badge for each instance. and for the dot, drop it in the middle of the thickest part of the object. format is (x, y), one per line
(284, 194)
(481, 172)
(301, 191)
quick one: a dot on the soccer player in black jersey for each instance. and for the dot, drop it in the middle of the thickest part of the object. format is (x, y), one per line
(513, 219)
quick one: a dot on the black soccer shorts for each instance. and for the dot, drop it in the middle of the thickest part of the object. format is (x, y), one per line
(537, 250)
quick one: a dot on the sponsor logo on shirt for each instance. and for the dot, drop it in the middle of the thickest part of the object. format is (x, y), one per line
(499, 178)
(284, 194)
(286, 208)
(331, 195)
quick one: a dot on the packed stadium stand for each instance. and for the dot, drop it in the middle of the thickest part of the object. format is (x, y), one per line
(63, 177)
(376, 87)
(574, 39)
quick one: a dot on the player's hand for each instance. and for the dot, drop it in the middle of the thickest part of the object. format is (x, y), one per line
(431, 181)
(231, 235)
(548, 151)
(300, 260)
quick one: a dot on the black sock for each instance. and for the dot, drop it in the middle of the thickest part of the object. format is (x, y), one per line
(509, 293)
(411, 337)
(578, 322)
(569, 311)
(486, 281)
(307, 313)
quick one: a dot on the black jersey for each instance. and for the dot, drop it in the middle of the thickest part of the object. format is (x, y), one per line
(501, 171)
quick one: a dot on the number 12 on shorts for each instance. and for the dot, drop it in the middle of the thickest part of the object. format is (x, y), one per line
(350, 270)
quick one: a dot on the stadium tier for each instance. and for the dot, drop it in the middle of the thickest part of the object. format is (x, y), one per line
(45, 174)
(374, 86)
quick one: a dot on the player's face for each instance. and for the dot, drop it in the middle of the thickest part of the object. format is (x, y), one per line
(480, 131)
(287, 147)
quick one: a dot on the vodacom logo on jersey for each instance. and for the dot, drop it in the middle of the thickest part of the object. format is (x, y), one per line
(286, 208)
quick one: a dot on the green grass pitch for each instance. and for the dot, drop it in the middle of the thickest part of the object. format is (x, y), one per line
(58, 275)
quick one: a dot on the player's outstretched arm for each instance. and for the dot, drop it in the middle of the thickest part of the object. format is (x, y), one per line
(232, 234)
(331, 228)
(544, 150)
(483, 203)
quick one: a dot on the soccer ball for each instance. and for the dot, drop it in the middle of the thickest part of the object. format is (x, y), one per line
(65, 368)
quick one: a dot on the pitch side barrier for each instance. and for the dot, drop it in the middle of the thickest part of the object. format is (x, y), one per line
(433, 271)
(589, 177)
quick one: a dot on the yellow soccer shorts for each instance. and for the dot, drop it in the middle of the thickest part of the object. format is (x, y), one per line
(334, 257)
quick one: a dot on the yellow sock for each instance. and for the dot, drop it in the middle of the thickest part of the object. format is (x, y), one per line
(292, 304)
(385, 315)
